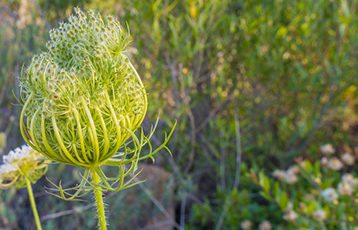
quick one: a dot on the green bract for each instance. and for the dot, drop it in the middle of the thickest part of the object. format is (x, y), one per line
(82, 97)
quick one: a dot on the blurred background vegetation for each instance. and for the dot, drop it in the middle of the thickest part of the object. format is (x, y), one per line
(256, 86)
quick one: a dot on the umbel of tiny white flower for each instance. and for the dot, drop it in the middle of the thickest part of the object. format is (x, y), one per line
(20, 165)
(319, 215)
(23, 167)
(330, 194)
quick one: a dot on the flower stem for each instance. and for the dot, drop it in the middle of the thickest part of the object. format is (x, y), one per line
(99, 201)
(33, 204)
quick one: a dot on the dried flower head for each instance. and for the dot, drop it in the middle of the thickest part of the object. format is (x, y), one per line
(21, 164)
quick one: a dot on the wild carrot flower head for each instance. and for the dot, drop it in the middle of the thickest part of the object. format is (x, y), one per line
(21, 164)
(82, 97)
(83, 102)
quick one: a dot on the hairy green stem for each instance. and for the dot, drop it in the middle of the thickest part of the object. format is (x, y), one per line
(33, 204)
(99, 201)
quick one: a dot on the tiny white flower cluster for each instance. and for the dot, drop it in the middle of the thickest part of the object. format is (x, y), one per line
(327, 149)
(20, 164)
(290, 214)
(347, 185)
(335, 163)
(319, 215)
(7, 168)
(348, 158)
(329, 194)
(14, 156)
(265, 225)
(246, 225)
(18, 154)
(289, 176)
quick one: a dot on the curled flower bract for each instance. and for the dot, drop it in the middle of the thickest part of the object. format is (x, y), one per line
(21, 164)
(82, 96)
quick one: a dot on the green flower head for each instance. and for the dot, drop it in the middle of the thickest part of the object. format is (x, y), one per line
(82, 97)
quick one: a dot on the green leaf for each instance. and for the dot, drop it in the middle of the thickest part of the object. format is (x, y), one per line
(264, 182)
(282, 200)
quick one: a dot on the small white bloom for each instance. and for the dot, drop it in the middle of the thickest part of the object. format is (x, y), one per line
(348, 159)
(345, 189)
(21, 164)
(319, 215)
(335, 164)
(289, 206)
(348, 178)
(347, 185)
(279, 174)
(290, 216)
(294, 169)
(6, 168)
(327, 149)
(324, 161)
(265, 225)
(291, 177)
(246, 225)
(329, 194)
(17, 154)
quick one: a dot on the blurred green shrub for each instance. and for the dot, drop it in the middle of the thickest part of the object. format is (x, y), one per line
(316, 195)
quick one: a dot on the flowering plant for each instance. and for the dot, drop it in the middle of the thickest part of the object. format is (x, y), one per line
(320, 194)
(84, 101)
